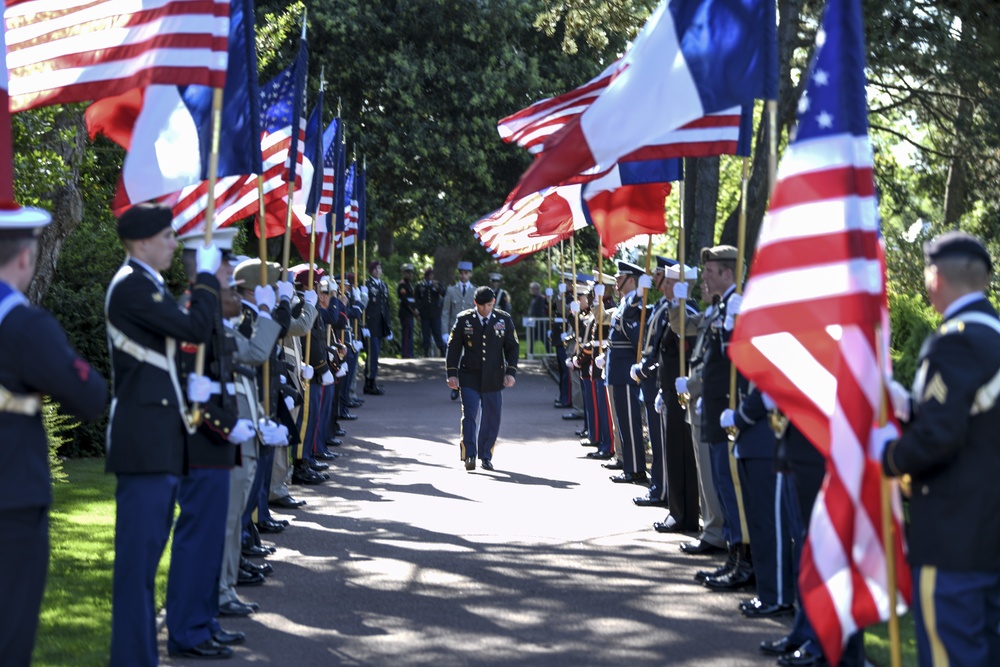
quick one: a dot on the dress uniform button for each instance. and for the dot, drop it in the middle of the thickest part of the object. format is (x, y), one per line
(164, 401)
(925, 489)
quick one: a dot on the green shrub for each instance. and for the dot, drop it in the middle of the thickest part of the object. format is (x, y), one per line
(912, 320)
(57, 428)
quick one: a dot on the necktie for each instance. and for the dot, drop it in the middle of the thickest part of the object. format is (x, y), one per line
(463, 291)
(483, 322)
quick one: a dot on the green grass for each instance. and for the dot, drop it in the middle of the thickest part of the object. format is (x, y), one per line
(877, 643)
(75, 627)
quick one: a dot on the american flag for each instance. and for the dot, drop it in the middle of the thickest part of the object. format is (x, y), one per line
(6, 140)
(80, 50)
(281, 104)
(808, 332)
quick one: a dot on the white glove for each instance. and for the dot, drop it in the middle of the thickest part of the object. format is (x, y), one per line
(263, 295)
(881, 437)
(645, 282)
(326, 378)
(285, 290)
(576, 362)
(569, 363)
(342, 371)
(732, 310)
(199, 388)
(566, 337)
(242, 431)
(562, 288)
(310, 297)
(658, 404)
(575, 307)
(444, 339)
(289, 403)
(681, 385)
(356, 293)
(357, 345)
(598, 290)
(364, 291)
(634, 372)
(307, 372)
(365, 332)
(548, 292)
(271, 433)
(208, 259)
(900, 398)
(599, 361)
(389, 337)
(681, 291)
(697, 406)
(727, 419)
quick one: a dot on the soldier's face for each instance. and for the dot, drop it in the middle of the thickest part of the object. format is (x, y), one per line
(464, 276)
(716, 278)
(230, 303)
(158, 250)
(484, 309)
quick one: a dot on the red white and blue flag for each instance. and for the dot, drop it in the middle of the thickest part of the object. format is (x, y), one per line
(693, 58)
(808, 332)
(81, 50)
(6, 139)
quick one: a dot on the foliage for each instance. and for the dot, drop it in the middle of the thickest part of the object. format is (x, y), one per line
(912, 319)
(75, 621)
(57, 428)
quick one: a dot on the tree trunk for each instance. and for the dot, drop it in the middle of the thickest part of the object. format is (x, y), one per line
(957, 188)
(67, 202)
(446, 260)
(386, 244)
(701, 198)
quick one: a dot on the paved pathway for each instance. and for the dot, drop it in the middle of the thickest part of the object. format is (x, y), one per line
(404, 558)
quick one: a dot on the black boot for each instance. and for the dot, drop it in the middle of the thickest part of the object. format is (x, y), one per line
(740, 576)
(730, 564)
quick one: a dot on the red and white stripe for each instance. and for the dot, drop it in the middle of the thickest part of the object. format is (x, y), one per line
(6, 140)
(80, 50)
(807, 335)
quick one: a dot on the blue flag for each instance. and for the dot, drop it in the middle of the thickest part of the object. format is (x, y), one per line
(362, 187)
(314, 153)
(281, 101)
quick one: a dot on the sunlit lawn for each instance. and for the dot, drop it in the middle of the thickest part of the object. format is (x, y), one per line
(877, 643)
(75, 626)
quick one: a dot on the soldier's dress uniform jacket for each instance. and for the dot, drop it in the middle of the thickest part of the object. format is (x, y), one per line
(456, 300)
(37, 360)
(478, 357)
(623, 343)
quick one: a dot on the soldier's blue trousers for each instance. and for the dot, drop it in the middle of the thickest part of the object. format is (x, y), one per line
(25, 562)
(628, 425)
(957, 613)
(604, 430)
(727, 488)
(374, 348)
(143, 516)
(480, 442)
(565, 385)
(196, 557)
(658, 471)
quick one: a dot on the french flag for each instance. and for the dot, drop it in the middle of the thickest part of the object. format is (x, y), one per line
(693, 58)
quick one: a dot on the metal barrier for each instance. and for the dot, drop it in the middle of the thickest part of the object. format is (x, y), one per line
(536, 333)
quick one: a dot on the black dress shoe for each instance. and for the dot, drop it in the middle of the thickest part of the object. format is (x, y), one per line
(319, 466)
(700, 547)
(779, 646)
(247, 578)
(376, 391)
(765, 610)
(327, 456)
(208, 649)
(572, 415)
(486, 464)
(581, 433)
(614, 465)
(268, 526)
(559, 405)
(308, 477)
(630, 478)
(254, 551)
(250, 566)
(740, 576)
(600, 456)
(235, 608)
(470, 463)
(333, 442)
(355, 404)
(287, 502)
(647, 501)
(454, 394)
(587, 442)
(339, 433)
(346, 415)
(801, 658)
(668, 525)
(227, 638)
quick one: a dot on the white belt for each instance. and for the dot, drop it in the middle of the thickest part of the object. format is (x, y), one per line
(20, 404)
(138, 352)
(230, 388)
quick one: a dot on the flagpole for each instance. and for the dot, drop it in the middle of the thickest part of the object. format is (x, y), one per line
(548, 286)
(308, 351)
(600, 298)
(740, 243)
(562, 295)
(772, 152)
(262, 248)
(576, 320)
(213, 172)
(682, 276)
(642, 318)
(889, 525)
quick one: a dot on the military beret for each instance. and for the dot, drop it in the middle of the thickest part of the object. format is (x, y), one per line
(249, 272)
(465, 266)
(956, 244)
(629, 269)
(372, 264)
(664, 262)
(18, 221)
(222, 238)
(719, 253)
(144, 221)
(484, 295)
(674, 272)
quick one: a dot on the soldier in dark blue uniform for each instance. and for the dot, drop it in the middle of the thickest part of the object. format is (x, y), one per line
(623, 345)
(950, 451)
(38, 360)
(407, 311)
(377, 324)
(482, 361)
(149, 426)
(645, 373)
(430, 295)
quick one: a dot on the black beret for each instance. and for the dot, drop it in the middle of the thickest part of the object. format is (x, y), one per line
(484, 295)
(719, 253)
(956, 244)
(143, 221)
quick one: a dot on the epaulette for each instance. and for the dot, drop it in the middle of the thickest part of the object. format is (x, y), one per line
(951, 326)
